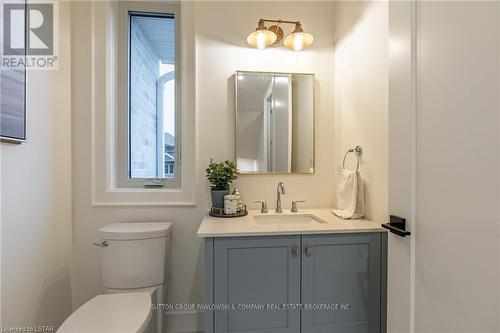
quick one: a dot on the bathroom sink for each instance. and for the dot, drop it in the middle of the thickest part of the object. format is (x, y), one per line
(286, 219)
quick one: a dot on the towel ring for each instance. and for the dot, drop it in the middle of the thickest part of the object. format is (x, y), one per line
(358, 151)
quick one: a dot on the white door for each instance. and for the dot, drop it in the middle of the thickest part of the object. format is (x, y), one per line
(444, 79)
(400, 298)
(457, 236)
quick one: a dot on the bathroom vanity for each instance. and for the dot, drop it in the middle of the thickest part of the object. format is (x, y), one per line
(308, 272)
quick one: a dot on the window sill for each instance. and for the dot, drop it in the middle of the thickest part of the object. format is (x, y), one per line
(129, 196)
(142, 204)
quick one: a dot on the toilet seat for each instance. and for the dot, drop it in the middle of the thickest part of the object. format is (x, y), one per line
(124, 313)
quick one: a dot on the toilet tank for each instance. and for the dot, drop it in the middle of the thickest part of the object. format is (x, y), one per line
(135, 255)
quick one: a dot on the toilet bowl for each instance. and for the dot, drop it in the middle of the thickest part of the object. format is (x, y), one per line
(134, 266)
(124, 313)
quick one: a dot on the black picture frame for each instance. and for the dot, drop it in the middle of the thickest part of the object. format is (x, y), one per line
(13, 93)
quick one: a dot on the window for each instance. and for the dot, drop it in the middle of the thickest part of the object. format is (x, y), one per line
(153, 148)
(114, 183)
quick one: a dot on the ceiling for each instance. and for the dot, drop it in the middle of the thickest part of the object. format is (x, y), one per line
(160, 31)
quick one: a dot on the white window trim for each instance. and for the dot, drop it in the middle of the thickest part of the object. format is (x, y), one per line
(105, 126)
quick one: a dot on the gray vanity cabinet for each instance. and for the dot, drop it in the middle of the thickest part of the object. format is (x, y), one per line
(342, 277)
(342, 274)
(257, 270)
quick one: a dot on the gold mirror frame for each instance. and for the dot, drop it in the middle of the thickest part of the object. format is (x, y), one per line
(235, 76)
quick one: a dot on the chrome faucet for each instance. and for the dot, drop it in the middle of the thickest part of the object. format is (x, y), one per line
(279, 191)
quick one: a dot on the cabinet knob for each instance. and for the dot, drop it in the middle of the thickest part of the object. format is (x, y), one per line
(295, 251)
(309, 251)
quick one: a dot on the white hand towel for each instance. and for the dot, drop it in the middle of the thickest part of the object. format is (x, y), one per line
(351, 195)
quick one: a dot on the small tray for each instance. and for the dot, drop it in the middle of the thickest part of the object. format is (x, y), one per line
(219, 212)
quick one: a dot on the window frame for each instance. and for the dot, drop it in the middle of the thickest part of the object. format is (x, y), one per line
(123, 140)
(100, 67)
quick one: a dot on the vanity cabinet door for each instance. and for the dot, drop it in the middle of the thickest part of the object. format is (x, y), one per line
(342, 273)
(257, 271)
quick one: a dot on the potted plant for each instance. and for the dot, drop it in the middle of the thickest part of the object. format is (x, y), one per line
(220, 175)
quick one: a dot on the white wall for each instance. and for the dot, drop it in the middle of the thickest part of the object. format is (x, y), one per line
(302, 123)
(458, 178)
(220, 52)
(361, 96)
(36, 201)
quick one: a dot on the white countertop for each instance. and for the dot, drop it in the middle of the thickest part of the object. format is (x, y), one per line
(246, 226)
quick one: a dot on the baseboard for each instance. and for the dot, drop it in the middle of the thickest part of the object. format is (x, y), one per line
(184, 321)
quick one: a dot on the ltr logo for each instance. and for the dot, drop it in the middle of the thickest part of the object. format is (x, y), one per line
(28, 26)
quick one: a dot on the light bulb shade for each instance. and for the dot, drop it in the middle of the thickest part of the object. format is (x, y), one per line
(298, 40)
(261, 38)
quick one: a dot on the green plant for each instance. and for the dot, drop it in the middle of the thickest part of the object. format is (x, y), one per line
(220, 175)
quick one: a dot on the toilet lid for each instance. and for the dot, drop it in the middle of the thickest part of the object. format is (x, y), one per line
(128, 312)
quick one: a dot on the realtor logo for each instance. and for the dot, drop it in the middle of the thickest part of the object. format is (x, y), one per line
(38, 35)
(28, 35)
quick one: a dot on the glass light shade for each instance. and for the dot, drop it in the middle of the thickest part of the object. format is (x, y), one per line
(261, 38)
(298, 40)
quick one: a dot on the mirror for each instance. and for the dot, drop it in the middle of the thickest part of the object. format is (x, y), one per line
(274, 122)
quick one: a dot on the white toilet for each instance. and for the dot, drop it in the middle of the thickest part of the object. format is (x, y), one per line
(134, 262)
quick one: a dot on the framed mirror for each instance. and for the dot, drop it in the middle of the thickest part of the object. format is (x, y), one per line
(274, 122)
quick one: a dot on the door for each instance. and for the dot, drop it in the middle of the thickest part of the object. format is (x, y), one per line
(341, 277)
(254, 272)
(402, 83)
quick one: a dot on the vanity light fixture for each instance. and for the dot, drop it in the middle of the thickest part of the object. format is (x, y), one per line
(298, 39)
(263, 37)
